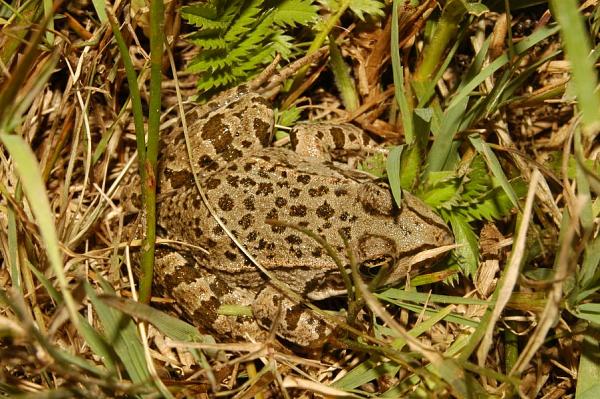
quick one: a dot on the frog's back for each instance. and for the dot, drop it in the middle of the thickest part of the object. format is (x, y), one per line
(273, 184)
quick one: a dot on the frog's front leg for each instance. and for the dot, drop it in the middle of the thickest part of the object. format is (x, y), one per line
(326, 141)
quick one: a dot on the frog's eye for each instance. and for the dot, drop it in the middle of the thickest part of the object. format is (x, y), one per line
(372, 267)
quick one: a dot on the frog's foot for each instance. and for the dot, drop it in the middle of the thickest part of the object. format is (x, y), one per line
(293, 321)
(202, 296)
(327, 141)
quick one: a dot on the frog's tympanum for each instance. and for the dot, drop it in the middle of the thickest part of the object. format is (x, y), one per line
(248, 183)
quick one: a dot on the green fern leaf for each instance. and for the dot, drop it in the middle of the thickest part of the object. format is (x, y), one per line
(211, 43)
(282, 45)
(245, 22)
(257, 36)
(369, 7)
(211, 81)
(288, 117)
(253, 62)
(359, 7)
(204, 10)
(211, 61)
(295, 12)
(468, 245)
(239, 37)
(205, 23)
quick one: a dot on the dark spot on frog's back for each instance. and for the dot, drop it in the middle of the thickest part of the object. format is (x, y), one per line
(231, 153)
(264, 189)
(217, 133)
(262, 130)
(205, 161)
(298, 210)
(206, 314)
(179, 178)
(293, 139)
(226, 202)
(304, 179)
(345, 232)
(213, 183)
(325, 211)
(248, 166)
(246, 221)
(233, 180)
(249, 203)
(340, 192)
(293, 239)
(319, 191)
(280, 202)
(247, 182)
(272, 214)
(184, 274)
(337, 134)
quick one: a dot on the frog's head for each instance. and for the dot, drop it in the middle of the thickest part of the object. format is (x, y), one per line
(407, 241)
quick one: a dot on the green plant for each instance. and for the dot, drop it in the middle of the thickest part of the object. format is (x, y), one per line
(238, 38)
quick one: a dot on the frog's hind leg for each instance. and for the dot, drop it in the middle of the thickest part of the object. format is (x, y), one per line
(293, 321)
(202, 295)
(327, 141)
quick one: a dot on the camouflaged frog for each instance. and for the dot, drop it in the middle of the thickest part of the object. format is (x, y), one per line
(248, 183)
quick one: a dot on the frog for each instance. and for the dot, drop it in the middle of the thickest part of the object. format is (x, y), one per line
(251, 185)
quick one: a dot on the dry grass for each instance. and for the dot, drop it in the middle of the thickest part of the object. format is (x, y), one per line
(516, 326)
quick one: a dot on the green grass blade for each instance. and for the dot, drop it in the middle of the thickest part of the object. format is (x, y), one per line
(392, 167)
(31, 177)
(168, 325)
(578, 49)
(588, 373)
(341, 73)
(406, 112)
(442, 146)
(499, 62)
(121, 333)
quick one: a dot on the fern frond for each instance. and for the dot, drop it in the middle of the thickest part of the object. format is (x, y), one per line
(253, 62)
(211, 61)
(369, 7)
(210, 43)
(245, 21)
(205, 23)
(205, 10)
(282, 45)
(217, 80)
(358, 7)
(238, 37)
(295, 12)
